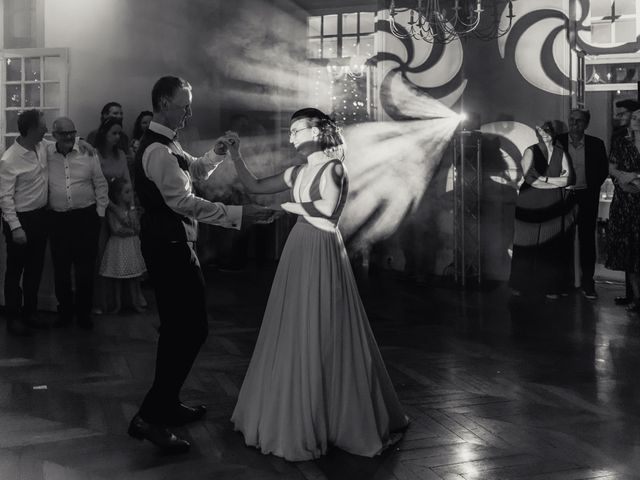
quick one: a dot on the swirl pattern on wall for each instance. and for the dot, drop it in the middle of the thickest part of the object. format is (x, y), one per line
(434, 69)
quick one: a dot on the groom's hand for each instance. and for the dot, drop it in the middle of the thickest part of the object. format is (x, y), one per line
(256, 214)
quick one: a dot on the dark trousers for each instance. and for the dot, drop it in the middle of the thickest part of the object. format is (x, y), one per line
(74, 243)
(174, 271)
(25, 262)
(587, 201)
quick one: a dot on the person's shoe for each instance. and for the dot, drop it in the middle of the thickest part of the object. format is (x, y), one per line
(552, 296)
(590, 293)
(15, 326)
(158, 435)
(185, 414)
(622, 300)
(85, 322)
(633, 307)
(35, 321)
(63, 320)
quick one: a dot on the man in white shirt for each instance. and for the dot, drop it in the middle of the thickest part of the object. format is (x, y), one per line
(163, 182)
(23, 198)
(78, 198)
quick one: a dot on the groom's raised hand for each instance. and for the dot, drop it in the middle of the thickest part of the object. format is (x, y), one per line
(257, 214)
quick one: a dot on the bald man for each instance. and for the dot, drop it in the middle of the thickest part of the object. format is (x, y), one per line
(78, 198)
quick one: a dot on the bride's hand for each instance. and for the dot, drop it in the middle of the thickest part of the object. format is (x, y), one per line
(232, 141)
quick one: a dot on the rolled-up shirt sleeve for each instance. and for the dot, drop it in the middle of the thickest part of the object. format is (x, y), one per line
(162, 168)
(202, 167)
(7, 190)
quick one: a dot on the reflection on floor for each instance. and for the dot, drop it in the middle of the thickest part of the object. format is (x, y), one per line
(495, 389)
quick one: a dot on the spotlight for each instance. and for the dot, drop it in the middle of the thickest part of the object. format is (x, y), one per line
(462, 116)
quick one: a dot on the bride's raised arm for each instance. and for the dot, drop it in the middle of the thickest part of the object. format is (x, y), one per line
(272, 184)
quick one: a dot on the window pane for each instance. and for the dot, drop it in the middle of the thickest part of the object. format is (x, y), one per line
(13, 96)
(51, 95)
(349, 46)
(50, 116)
(32, 95)
(367, 22)
(367, 46)
(600, 8)
(601, 33)
(53, 68)
(350, 23)
(626, 7)
(329, 48)
(313, 24)
(626, 31)
(314, 48)
(14, 69)
(32, 68)
(330, 25)
(12, 121)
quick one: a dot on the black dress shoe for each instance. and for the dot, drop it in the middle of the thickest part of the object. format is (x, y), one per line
(85, 322)
(35, 321)
(15, 326)
(63, 320)
(159, 435)
(622, 300)
(184, 414)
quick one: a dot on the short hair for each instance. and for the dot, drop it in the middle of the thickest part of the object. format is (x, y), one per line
(107, 107)
(585, 113)
(166, 87)
(28, 120)
(628, 104)
(549, 128)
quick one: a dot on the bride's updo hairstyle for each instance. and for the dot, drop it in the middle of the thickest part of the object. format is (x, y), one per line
(331, 140)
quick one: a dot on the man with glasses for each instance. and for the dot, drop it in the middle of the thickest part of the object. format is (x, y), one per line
(591, 167)
(78, 198)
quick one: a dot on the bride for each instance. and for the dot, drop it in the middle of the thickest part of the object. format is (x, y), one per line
(316, 377)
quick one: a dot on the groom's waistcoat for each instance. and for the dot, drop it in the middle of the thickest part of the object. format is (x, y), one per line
(159, 222)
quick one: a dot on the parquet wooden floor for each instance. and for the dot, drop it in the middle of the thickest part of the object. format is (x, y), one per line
(496, 389)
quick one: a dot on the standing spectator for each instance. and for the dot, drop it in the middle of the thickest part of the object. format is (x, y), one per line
(114, 165)
(590, 165)
(77, 199)
(623, 229)
(111, 110)
(624, 109)
(540, 246)
(139, 127)
(23, 198)
(122, 261)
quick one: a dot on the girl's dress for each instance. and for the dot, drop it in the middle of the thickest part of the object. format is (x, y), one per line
(316, 377)
(122, 256)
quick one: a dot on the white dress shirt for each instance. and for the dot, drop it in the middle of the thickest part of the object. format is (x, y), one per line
(23, 181)
(75, 181)
(175, 184)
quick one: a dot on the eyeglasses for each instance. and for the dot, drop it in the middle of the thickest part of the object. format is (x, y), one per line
(66, 133)
(293, 133)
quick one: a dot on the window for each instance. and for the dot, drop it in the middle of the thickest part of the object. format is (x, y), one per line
(614, 21)
(23, 23)
(341, 35)
(31, 78)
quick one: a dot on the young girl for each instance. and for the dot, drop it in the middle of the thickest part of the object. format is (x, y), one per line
(122, 262)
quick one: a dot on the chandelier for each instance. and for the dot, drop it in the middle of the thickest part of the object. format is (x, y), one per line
(434, 23)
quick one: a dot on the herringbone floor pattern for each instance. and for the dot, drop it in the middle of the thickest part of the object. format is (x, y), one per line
(495, 390)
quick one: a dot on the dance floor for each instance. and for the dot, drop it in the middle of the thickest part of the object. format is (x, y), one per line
(495, 389)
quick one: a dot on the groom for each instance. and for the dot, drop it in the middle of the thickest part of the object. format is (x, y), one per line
(163, 173)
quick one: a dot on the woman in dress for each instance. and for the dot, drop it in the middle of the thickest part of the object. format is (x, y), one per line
(139, 127)
(623, 228)
(541, 247)
(316, 377)
(114, 165)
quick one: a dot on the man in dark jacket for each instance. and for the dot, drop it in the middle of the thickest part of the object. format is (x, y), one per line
(588, 157)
